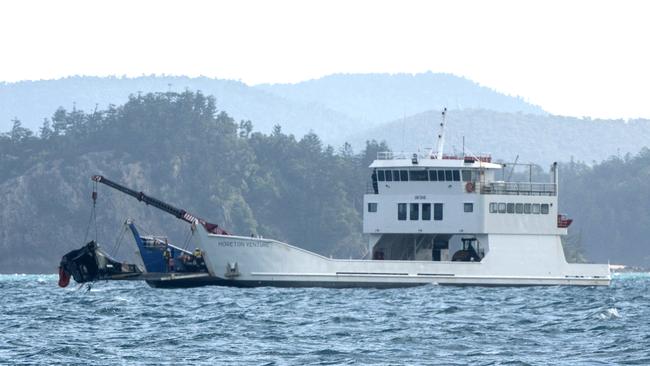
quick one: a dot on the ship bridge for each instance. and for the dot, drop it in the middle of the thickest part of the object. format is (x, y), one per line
(477, 172)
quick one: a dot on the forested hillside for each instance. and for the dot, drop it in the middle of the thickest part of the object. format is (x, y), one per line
(32, 101)
(611, 204)
(179, 147)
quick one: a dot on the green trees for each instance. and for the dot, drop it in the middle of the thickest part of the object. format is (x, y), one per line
(610, 204)
(181, 148)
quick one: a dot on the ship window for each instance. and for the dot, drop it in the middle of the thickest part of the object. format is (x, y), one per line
(545, 208)
(419, 175)
(536, 208)
(380, 175)
(372, 206)
(433, 175)
(468, 207)
(401, 211)
(456, 175)
(441, 175)
(527, 208)
(437, 211)
(502, 207)
(404, 175)
(519, 208)
(511, 208)
(396, 175)
(426, 211)
(448, 175)
(493, 207)
(415, 211)
(467, 175)
(389, 176)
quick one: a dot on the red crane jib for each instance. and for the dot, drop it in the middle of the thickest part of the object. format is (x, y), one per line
(163, 206)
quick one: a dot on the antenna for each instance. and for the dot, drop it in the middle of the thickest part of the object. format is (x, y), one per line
(403, 130)
(513, 168)
(441, 134)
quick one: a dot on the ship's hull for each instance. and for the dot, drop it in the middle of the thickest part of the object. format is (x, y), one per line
(248, 262)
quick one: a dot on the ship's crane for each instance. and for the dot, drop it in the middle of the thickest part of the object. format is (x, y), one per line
(177, 212)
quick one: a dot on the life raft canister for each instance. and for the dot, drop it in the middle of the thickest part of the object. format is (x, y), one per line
(469, 187)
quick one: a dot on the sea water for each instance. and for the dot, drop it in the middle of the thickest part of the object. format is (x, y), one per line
(130, 323)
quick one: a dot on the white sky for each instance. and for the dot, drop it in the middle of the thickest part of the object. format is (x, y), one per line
(579, 58)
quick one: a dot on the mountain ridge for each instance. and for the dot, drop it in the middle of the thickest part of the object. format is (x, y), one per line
(541, 139)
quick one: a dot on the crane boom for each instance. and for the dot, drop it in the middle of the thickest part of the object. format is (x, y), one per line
(177, 212)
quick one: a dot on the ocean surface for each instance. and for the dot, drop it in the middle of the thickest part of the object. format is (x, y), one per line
(130, 323)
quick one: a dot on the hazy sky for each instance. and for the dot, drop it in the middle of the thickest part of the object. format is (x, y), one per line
(579, 58)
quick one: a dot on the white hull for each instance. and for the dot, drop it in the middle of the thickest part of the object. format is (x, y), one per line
(245, 261)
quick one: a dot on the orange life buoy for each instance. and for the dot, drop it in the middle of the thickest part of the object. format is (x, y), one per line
(469, 187)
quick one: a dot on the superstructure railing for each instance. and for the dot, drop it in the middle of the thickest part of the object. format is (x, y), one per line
(518, 188)
(430, 154)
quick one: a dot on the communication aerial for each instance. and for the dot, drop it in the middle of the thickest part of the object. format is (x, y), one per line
(441, 134)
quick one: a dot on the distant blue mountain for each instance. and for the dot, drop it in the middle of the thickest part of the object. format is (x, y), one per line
(334, 106)
(377, 98)
(541, 139)
(356, 107)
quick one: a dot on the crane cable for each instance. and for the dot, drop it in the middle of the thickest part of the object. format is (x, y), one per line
(118, 242)
(93, 215)
(187, 240)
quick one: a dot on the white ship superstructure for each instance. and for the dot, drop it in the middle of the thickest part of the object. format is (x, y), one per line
(429, 218)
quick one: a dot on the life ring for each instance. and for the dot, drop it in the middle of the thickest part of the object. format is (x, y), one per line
(469, 187)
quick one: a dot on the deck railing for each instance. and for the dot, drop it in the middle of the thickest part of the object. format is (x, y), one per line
(370, 188)
(518, 188)
(430, 154)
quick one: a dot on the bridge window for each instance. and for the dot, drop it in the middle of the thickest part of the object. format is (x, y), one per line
(448, 176)
(404, 175)
(380, 176)
(396, 175)
(433, 175)
(527, 207)
(511, 208)
(502, 207)
(389, 176)
(441, 175)
(493, 207)
(419, 175)
(401, 211)
(415, 211)
(467, 175)
(372, 206)
(536, 208)
(519, 208)
(456, 174)
(544, 208)
(469, 207)
(437, 211)
(426, 211)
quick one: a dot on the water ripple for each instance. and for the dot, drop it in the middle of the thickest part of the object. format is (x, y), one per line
(130, 323)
